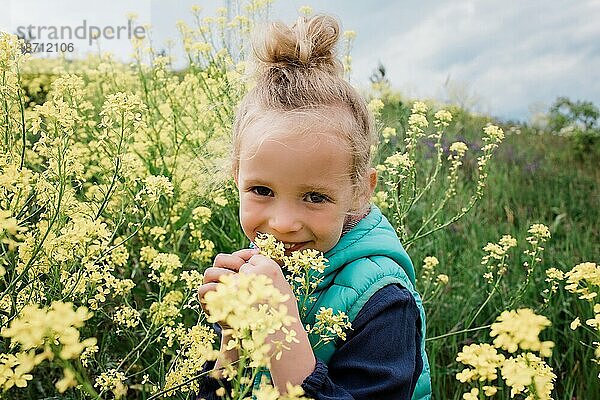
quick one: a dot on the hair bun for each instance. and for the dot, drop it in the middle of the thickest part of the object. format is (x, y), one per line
(309, 43)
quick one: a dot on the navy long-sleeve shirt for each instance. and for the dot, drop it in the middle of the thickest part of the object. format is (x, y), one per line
(381, 358)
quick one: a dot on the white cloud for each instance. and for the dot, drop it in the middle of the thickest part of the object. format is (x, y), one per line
(511, 53)
(508, 54)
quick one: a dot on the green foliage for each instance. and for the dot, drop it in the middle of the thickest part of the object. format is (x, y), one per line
(580, 121)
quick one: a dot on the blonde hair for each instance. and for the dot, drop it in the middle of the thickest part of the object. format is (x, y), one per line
(297, 72)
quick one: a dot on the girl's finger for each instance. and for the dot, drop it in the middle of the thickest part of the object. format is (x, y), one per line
(213, 274)
(235, 260)
(245, 254)
(228, 261)
(259, 258)
(203, 289)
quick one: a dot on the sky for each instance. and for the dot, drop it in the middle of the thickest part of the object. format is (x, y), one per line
(506, 58)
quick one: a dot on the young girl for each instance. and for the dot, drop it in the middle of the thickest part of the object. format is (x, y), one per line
(302, 139)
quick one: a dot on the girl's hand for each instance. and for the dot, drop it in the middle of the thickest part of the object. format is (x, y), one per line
(296, 363)
(246, 261)
(261, 265)
(224, 264)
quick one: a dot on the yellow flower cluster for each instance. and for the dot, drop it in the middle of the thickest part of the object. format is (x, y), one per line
(164, 269)
(193, 279)
(304, 275)
(457, 152)
(375, 106)
(459, 148)
(442, 118)
(329, 326)
(525, 373)
(112, 381)
(195, 349)
(388, 133)
(251, 309)
(205, 247)
(528, 374)
(155, 187)
(380, 199)
(582, 280)
(484, 361)
(496, 256)
(540, 233)
(269, 246)
(397, 161)
(431, 284)
(429, 264)
(164, 312)
(9, 230)
(54, 330)
(520, 329)
(268, 392)
(493, 137)
(304, 271)
(127, 317)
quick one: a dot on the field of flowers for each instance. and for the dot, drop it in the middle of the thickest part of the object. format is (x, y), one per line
(115, 196)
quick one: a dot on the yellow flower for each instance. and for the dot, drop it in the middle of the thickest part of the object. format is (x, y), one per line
(520, 329)
(594, 322)
(380, 199)
(494, 134)
(472, 395)
(114, 381)
(305, 10)
(398, 160)
(269, 246)
(442, 118)
(388, 133)
(350, 35)
(429, 264)
(528, 371)
(252, 309)
(484, 359)
(201, 214)
(575, 324)
(459, 148)
(581, 278)
(164, 268)
(419, 108)
(330, 326)
(127, 317)
(375, 106)
(67, 381)
(554, 274)
(418, 122)
(489, 391)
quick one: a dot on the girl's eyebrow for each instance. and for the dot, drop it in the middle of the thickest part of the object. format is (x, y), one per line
(315, 188)
(254, 182)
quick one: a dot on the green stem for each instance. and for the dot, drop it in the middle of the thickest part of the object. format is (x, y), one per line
(445, 335)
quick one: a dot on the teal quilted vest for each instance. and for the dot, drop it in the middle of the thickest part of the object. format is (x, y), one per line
(366, 259)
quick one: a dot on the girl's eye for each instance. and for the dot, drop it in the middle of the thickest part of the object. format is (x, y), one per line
(261, 191)
(314, 197)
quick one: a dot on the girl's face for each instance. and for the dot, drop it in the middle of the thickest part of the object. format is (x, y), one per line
(295, 187)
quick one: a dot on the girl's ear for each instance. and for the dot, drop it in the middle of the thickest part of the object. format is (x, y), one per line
(372, 181)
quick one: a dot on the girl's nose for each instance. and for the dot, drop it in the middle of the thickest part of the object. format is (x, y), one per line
(284, 220)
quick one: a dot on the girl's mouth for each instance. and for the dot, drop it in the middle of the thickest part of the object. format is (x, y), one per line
(291, 247)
